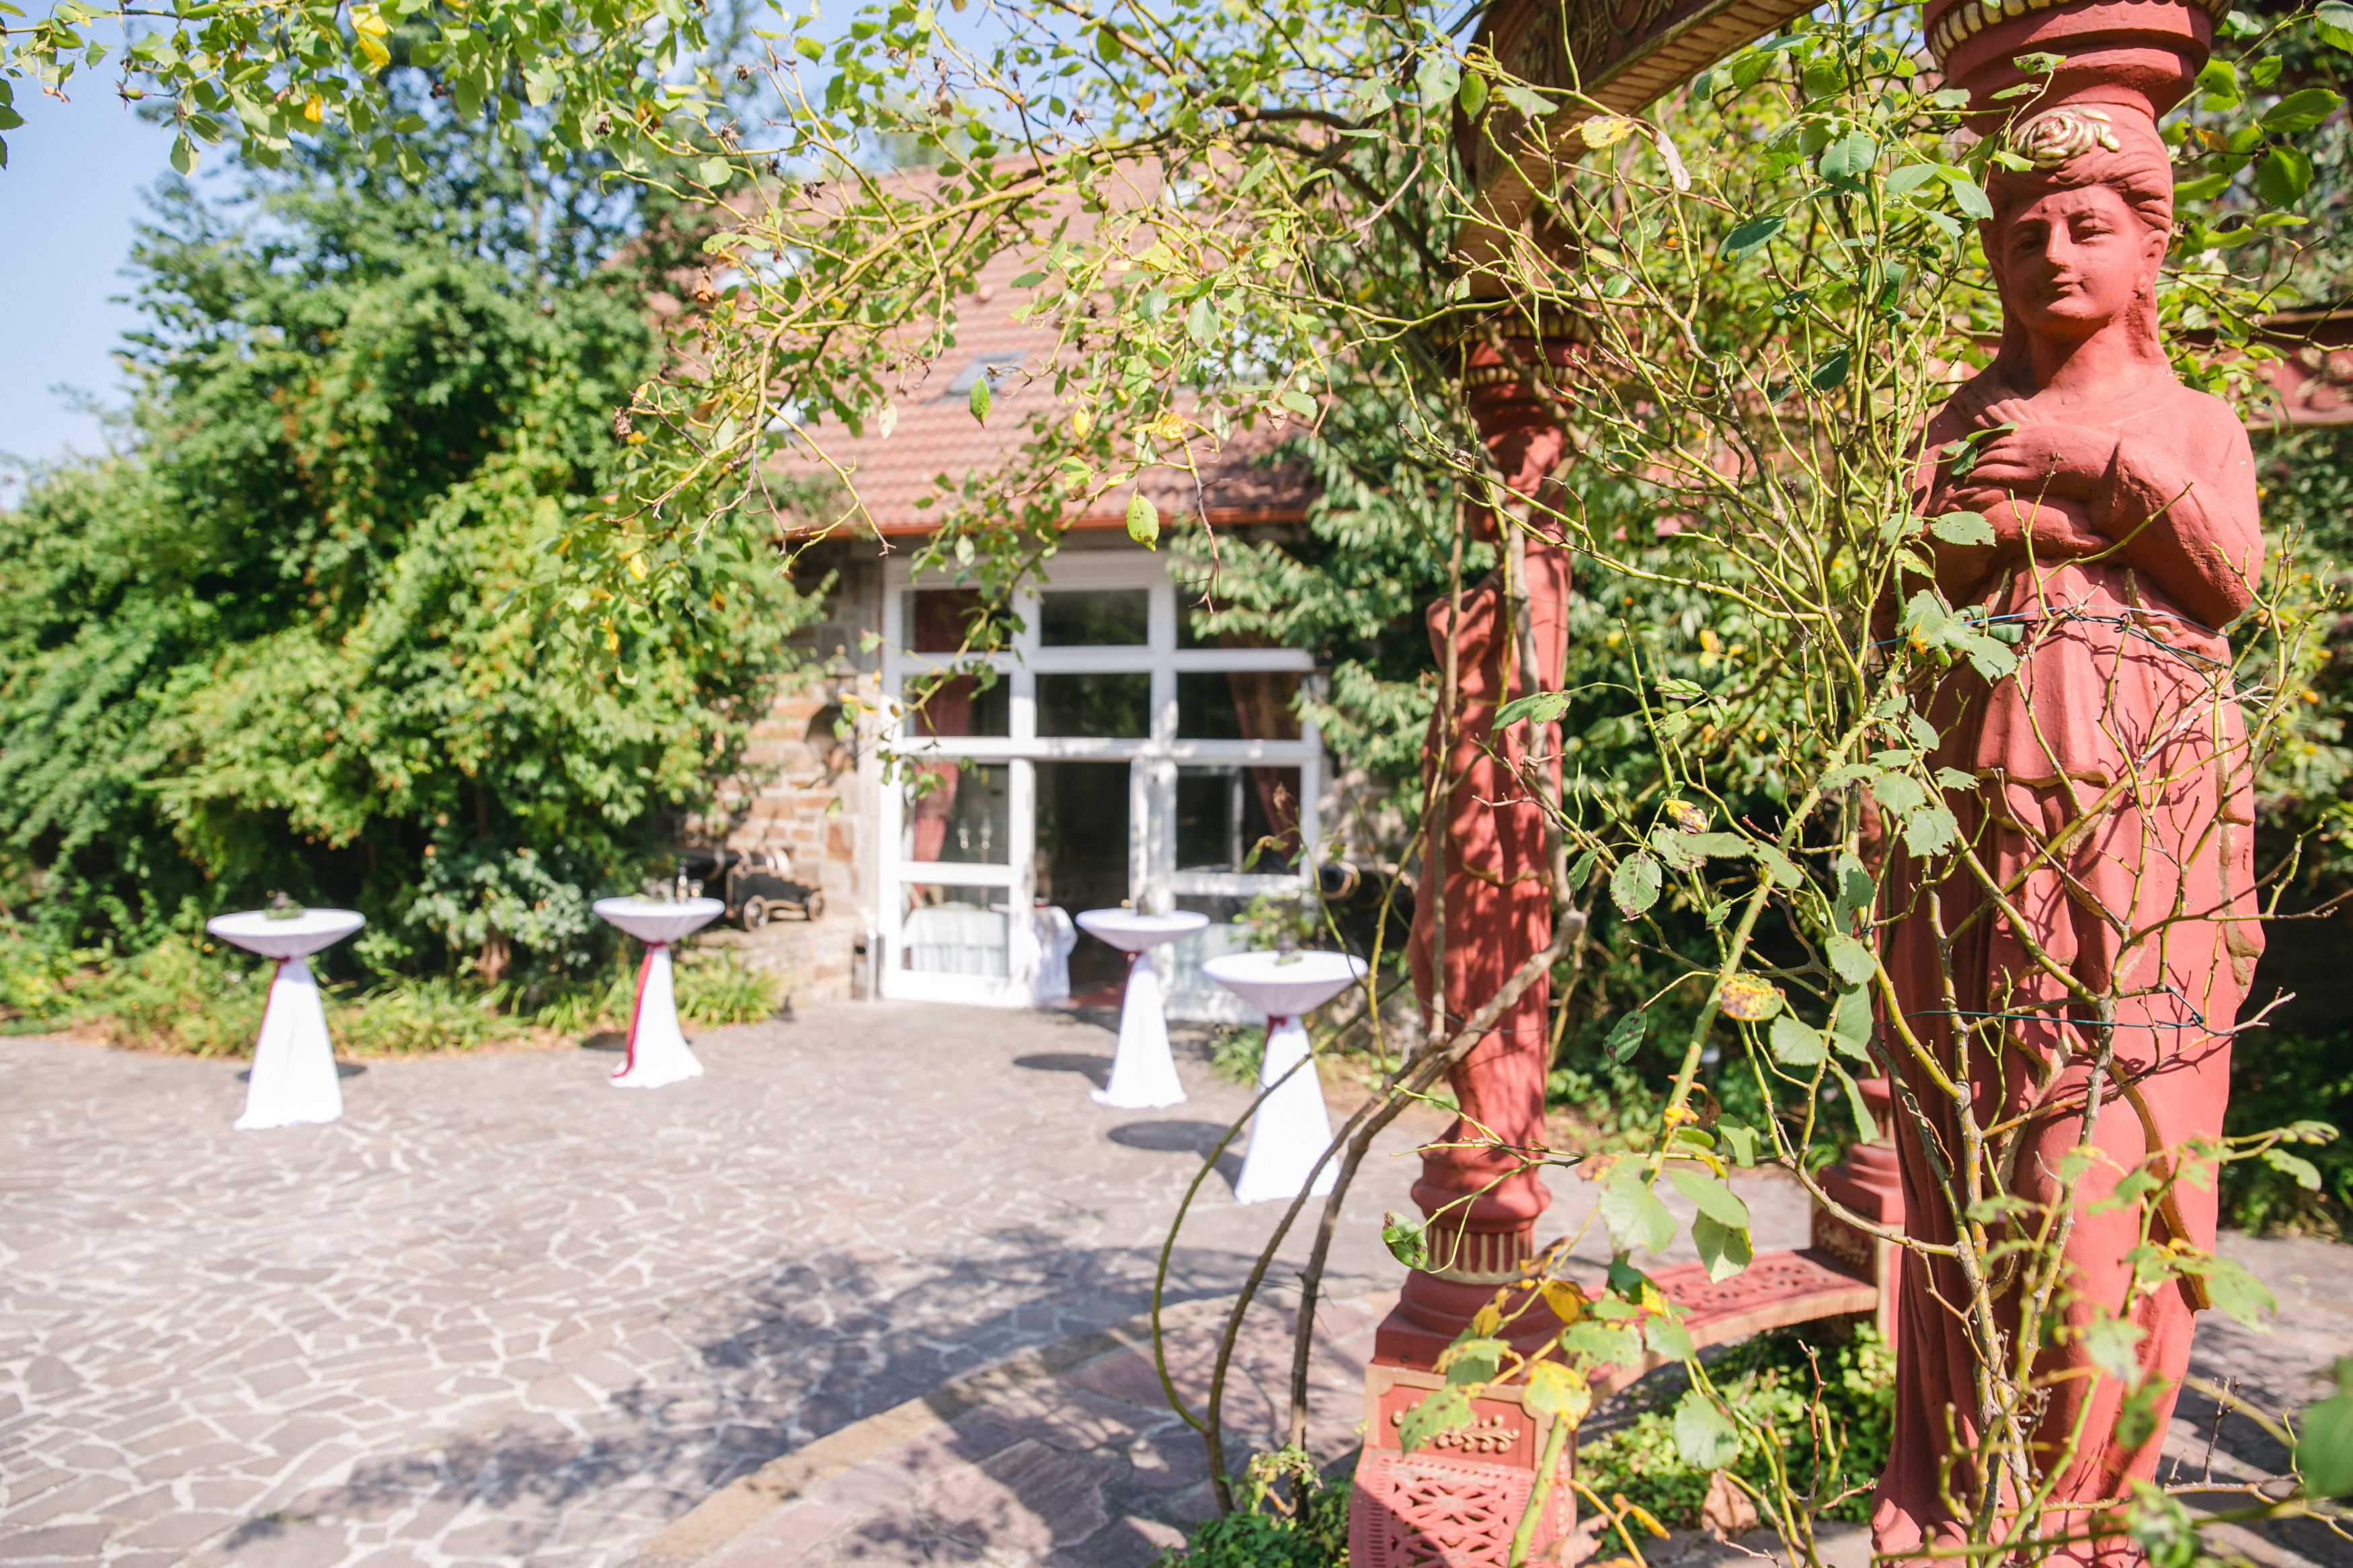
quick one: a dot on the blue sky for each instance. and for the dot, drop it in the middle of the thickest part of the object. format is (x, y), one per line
(69, 197)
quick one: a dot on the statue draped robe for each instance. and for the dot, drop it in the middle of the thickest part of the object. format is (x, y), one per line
(2112, 799)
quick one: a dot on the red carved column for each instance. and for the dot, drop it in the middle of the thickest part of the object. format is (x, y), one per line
(1458, 1501)
(1869, 1183)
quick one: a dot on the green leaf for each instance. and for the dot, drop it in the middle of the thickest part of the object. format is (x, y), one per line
(1626, 1037)
(184, 155)
(1438, 80)
(1601, 1344)
(1850, 1023)
(1297, 402)
(1705, 1439)
(1473, 96)
(1555, 1390)
(2204, 189)
(1852, 960)
(1446, 1410)
(1932, 829)
(1473, 1360)
(1962, 528)
(1830, 375)
(1726, 1249)
(1527, 100)
(977, 401)
(2300, 111)
(2306, 1173)
(1866, 1124)
(1634, 886)
(1634, 1212)
(2324, 1448)
(1202, 322)
(2237, 1293)
(1968, 195)
(1407, 1241)
(1794, 1043)
(1668, 1337)
(1712, 1197)
(1848, 159)
(1751, 235)
(1740, 1140)
(2112, 1342)
(1143, 520)
(1542, 706)
(1910, 177)
(2137, 1416)
(2283, 175)
(1028, 280)
(2333, 20)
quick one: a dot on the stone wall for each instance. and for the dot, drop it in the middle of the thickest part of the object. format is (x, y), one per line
(814, 794)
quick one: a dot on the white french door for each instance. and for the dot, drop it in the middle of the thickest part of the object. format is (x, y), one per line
(1102, 672)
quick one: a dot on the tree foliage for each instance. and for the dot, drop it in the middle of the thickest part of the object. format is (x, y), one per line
(299, 635)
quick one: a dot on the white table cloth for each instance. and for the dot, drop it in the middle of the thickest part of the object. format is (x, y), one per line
(1056, 937)
(956, 939)
(1143, 1072)
(293, 1081)
(658, 1052)
(1292, 1128)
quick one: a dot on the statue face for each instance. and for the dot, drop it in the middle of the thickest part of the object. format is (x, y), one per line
(2071, 262)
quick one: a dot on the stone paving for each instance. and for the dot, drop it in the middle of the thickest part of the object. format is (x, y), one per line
(502, 1313)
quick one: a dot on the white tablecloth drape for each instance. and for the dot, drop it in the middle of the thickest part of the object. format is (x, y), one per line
(956, 939)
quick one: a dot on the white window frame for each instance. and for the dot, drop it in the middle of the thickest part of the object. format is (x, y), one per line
(1153, 882)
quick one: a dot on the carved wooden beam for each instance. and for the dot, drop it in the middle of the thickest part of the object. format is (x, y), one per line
(1624, 56)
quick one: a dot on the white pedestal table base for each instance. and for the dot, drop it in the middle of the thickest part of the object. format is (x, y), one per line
(1143, 1072)
(657, 1051)
(293, 1081)
(1291, 1129)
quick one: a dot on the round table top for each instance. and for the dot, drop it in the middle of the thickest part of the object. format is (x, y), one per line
(1285, 985)
(1132, 932)
(306, 932)
(660, 920)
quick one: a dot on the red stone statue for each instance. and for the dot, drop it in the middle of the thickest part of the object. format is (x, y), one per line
(2113, 779)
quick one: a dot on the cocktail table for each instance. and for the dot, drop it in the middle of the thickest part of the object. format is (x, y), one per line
(1143, 1073)
(293, 1079)
(657, 1051)
(1291, 1129)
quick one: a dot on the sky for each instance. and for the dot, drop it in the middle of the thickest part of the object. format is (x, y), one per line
(68, 198)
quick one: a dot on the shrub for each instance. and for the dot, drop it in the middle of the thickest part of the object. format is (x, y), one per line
(716, 987)
(1310, 1530)
(1771, 1381)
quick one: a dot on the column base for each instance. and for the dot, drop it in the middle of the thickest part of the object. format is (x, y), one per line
(1456, 1501)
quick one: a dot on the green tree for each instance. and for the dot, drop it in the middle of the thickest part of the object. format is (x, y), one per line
(302, 636)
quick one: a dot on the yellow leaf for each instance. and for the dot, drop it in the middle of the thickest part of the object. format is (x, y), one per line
(1081, 423)
(1607, 130)
(1566, 1301)
(373, 48)
(313, 109)
(638, 567)
(1485, 1321)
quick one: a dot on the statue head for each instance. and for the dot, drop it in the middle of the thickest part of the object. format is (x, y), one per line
(2076, 240)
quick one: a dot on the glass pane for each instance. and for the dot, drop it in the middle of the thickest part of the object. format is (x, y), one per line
(1104, 617)
(1082, 862)
(957, 815)
(954, 930)
(1238, 705)
(1195, 994)
(1223, 814)
(942, 620)
(960, 706)
(1116, 707)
